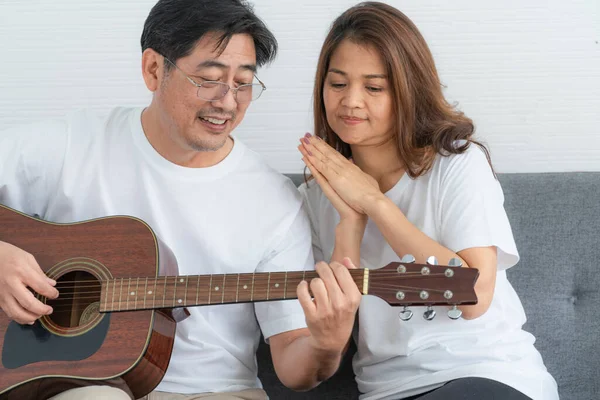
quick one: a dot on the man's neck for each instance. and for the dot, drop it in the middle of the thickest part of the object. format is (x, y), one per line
(176, 152)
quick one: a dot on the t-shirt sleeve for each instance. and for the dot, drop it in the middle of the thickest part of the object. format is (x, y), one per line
(31, 159)
(309, 204)
(292, 253)
(471, 210)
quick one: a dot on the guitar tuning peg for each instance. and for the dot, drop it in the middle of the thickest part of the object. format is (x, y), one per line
(432, 260)
(455, 262)
(454, 313)
(405, 314)
(408, 259)
(429, 314)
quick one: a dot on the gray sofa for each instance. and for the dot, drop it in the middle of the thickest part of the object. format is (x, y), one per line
(556, 223)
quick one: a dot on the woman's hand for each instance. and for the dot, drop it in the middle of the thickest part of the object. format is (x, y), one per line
(350, 184)
(346, 212)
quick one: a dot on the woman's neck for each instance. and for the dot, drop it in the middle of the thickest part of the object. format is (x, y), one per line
(381, 162)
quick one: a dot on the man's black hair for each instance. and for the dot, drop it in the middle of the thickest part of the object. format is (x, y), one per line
(173, 27)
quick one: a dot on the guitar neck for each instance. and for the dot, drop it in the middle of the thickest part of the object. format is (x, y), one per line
(129, 294)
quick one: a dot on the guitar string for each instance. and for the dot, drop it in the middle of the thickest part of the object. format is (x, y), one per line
(264, 275)
(192, 278)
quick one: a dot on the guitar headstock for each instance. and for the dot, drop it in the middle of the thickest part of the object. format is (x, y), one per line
(407, 283)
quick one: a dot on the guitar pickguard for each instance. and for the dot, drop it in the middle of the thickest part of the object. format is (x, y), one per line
(29, 344)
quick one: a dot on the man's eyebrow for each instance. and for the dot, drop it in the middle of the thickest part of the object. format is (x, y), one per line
(368, 76)
(220, 65)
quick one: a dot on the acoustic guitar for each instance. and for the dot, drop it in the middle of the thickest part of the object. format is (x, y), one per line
(121, 297)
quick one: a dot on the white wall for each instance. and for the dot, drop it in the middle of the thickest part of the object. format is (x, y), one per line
(527, 72)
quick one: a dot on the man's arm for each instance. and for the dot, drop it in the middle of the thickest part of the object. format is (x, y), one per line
(303, 358)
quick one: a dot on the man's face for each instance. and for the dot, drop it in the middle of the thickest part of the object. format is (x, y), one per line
(198, 124)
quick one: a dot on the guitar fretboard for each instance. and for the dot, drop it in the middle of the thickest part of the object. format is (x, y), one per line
(128, 294)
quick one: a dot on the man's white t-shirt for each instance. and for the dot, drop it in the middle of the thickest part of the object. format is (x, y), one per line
(237, 216)
(459, 204)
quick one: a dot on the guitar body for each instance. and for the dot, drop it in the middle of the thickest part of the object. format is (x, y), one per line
(75, 345)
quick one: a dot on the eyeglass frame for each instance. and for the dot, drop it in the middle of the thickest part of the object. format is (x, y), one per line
(234, 90)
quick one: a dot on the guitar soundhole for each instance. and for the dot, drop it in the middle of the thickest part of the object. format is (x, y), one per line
(77, 305)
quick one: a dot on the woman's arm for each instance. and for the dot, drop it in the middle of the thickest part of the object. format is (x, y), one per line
(404, 238)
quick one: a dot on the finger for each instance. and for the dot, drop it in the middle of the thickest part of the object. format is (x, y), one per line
(319, 293)
(344, 278)
(340, 205)
(306, 302)
(320, 146)
(38, 281)
(17, 313)
(321, 180)
(347, 262)
(323, 183)
(329, 279)
(27, 300)
(320, 160)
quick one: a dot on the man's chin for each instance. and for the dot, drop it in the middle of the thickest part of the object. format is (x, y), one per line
(212, 144)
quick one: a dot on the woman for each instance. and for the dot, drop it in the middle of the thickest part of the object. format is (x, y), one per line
(396, 171)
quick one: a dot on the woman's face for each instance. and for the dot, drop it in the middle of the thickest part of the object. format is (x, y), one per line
(357, 95)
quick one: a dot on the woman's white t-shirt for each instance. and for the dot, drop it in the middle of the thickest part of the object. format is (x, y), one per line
(459, 204)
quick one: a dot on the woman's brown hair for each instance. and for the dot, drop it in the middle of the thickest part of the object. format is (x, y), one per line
(426, 124)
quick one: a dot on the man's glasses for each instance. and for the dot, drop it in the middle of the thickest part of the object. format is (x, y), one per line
(213, 90)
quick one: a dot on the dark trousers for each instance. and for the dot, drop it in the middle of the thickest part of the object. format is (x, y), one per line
(472, 389)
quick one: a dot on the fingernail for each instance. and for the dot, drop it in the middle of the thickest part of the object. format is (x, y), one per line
(307, 135)
(306, 141)
(51, 281)
(309, 153)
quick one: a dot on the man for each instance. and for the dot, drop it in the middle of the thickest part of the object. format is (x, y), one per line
(211, 199)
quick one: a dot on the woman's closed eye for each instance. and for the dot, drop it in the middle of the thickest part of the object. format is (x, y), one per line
(337, 85)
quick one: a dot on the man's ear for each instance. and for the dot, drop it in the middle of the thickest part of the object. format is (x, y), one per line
(152, 69)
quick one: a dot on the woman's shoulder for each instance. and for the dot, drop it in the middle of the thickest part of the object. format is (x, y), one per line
(474, 160)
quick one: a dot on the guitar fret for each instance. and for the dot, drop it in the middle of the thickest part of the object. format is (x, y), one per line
(252, 291)
(223, 294)
(244, 291)
(154, 293)
(137, 289)
(136, 292)
(285, 285)
(178, 298)
(120, 293)
(128, 289)
(197, 289)
(268, 285)
(175, 292)
(145, 291)
(185, 302)
(210, 289)
(237, 289)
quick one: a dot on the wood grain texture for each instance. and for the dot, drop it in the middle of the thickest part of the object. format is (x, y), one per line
(128, 248)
